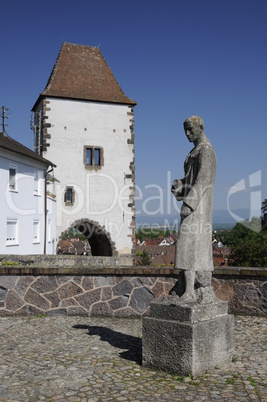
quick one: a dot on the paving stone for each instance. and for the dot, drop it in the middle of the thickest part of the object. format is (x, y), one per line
(77, 358)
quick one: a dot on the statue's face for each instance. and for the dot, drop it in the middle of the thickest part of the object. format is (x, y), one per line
(192, 132)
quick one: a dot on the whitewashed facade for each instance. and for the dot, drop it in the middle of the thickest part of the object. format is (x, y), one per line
(22, 200)
(92, 143)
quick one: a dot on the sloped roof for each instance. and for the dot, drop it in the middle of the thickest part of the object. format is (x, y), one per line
(7, 143)
(159, 255)
(81, 72)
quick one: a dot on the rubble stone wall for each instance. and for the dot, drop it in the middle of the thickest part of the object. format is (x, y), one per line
(116, 291)
(245, 289)
(97, 295)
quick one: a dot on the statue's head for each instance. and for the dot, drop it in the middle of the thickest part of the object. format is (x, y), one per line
(195, 121)
(193, 127)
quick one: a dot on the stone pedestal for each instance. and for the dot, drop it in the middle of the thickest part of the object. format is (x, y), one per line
(187, 339)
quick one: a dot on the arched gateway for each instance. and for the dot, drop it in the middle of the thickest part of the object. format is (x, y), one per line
(97, 236)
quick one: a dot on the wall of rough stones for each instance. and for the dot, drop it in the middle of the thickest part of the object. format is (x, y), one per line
(98, 295)
(118, 292)
(245, 289)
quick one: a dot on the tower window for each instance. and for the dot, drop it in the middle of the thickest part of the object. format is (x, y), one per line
(69, 196)
(93, 157)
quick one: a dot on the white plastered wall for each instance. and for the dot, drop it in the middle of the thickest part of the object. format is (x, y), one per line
(22, 204)
(100, 195)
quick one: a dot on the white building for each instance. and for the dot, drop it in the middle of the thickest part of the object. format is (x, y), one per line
(84, 123)
(23, 201)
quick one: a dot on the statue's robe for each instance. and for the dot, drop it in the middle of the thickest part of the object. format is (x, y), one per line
(194, 243)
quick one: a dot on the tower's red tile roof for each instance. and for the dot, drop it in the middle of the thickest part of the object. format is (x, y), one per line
(81, 72)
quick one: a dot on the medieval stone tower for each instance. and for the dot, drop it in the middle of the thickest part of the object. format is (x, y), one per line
(84, 123)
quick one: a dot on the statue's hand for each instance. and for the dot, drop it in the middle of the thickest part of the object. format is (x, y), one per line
(177, 187)
(186, 210)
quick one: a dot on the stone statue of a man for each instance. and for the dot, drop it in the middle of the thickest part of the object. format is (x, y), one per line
(194, 244)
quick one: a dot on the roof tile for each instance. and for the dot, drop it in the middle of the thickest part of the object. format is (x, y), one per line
(81, 72)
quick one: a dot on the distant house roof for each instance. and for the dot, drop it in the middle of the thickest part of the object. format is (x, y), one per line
(152, 242)
(165, 242)
(7, 143)
(81, 72)
(159, 255)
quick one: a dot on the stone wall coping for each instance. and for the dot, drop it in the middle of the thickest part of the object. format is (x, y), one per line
(66, 261)
(37, 270)
(91, 271)
(240, 271)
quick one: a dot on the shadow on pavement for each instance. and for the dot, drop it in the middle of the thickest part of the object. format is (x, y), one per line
(132, 344)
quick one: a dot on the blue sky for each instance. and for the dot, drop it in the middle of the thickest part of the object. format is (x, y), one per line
(175, 59)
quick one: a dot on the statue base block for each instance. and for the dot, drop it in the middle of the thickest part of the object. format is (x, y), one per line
(187, 339)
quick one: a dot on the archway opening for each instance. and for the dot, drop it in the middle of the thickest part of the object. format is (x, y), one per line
(97, 238)
(85, 237)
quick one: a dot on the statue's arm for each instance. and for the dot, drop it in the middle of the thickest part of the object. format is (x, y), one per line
(205, 177)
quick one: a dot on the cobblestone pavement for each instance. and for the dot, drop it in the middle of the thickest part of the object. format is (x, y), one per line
(92, 359)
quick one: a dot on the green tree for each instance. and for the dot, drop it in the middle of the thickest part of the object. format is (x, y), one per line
(149, 233)
(144, 258)
(237, 235)
(256, 224)
(220, 235)
(248, 244)
(251, 252)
